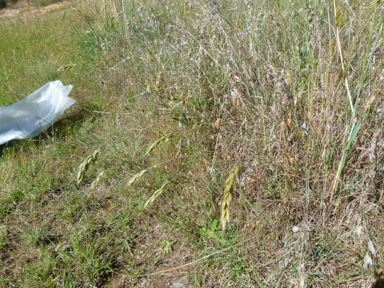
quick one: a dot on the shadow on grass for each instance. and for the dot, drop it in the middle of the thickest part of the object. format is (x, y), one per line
(378, 284)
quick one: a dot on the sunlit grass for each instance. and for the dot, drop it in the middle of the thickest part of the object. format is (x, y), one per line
(33, 50)
(198, 111)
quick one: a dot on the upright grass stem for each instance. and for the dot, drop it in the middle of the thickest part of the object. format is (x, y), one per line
(354, 123)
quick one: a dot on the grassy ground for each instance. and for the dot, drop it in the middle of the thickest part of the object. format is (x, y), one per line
(237, 143)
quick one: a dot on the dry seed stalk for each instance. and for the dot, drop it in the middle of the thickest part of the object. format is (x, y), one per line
(227, 197)
(158, 142)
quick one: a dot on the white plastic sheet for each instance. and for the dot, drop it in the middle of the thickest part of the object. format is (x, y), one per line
(35, 113)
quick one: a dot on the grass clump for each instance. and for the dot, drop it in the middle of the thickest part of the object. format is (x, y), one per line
(175, 94)
(280, 90)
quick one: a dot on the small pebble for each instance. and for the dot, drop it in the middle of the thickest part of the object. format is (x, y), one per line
(180, 283)
(295, 229)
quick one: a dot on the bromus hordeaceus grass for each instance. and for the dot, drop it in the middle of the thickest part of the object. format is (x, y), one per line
(156, 194)
(85, 165)
(227, 197)
(158, 142)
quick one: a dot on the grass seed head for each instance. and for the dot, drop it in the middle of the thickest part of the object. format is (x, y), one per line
(228, 197)
(136, 177)
(91, 159)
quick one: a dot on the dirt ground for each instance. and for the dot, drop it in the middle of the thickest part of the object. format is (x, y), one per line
(25, 9)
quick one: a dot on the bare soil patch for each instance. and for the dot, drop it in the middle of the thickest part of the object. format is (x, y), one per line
(24, 9)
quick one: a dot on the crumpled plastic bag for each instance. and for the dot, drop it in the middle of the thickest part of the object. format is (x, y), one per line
(35, 113)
